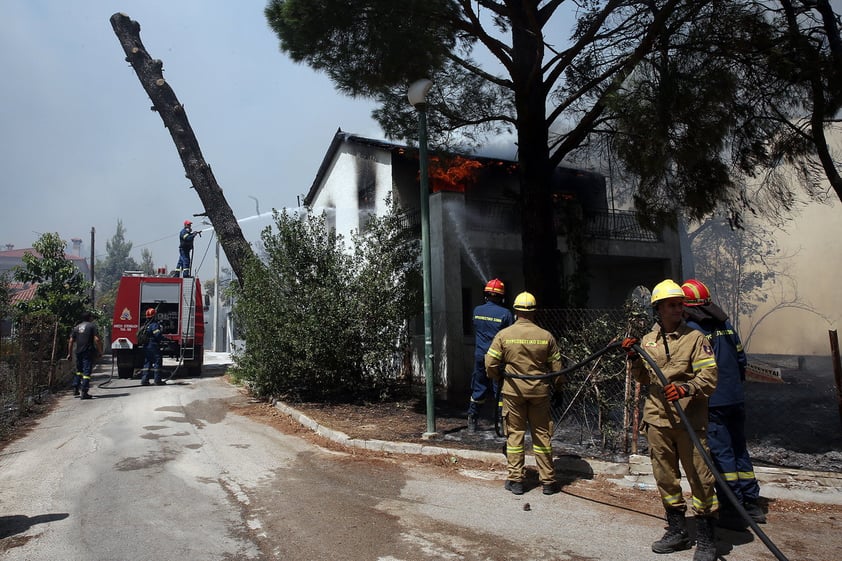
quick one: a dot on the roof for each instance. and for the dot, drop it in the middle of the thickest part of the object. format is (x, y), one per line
(342, 137)
(19, 253)
(22, 292)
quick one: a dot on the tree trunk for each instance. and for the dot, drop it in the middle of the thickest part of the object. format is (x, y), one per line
(164, 101)
(541, 260)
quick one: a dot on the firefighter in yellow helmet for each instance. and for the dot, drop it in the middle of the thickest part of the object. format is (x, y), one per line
(527, 350)
(686, 359)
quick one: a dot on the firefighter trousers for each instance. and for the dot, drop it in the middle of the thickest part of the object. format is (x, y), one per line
(518, 411)
(667, 447)
(727, 440)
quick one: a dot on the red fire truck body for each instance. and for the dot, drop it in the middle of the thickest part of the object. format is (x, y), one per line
(178, 305)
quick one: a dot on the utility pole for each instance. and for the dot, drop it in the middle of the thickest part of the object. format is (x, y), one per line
(93, 278)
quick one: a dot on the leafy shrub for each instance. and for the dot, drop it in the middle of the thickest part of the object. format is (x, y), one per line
(324, 323)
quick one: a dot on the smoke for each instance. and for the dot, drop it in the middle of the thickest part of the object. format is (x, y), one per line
(813, 241)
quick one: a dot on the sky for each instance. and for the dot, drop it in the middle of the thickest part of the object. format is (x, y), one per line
(81, 148)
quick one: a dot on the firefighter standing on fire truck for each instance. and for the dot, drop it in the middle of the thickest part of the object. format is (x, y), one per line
(686, 359)
(489, 318)
(185, 248)
(525, 349)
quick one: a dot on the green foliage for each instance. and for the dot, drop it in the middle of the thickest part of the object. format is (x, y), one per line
(5, 296)
(62, 290)
(117, 260)
(320, 322)
(147, 265)
(110, 270)
(353, 41)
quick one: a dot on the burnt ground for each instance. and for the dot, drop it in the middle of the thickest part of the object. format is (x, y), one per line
(797, 423)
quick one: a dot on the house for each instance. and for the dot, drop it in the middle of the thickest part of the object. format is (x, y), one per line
(475, 233)
(12, 258)
(22, 292)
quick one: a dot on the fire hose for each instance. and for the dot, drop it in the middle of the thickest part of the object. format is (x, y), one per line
(726, 489)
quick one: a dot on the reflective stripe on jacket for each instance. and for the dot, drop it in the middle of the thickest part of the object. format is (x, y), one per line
(489, 318)
(730, 361)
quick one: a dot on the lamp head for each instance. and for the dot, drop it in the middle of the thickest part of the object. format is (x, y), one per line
(417, 93)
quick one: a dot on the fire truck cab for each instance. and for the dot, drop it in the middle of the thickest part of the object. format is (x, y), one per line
(178, 305)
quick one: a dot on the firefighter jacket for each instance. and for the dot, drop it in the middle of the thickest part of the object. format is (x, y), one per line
(690, 362)
(524, 349)
(489, 318)
(185, 238)
(156, 335)
(730, 361)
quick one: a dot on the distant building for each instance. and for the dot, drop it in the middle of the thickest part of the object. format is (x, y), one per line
(475, 232)
(11, 258)
(21, 292)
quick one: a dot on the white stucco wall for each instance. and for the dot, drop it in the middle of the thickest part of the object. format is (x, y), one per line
(352, 168)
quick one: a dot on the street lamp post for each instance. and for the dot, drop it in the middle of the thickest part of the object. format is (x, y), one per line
(215, 289)
(216, 297)
(417, 95)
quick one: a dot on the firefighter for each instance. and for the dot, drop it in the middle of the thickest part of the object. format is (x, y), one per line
(726, 408)
(185, 249)
(686, 359)
(525, 349)
(489, 318)
(152, 349)
(88, 346)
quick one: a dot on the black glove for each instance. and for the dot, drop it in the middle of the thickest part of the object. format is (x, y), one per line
(674, 392)
(631, 354)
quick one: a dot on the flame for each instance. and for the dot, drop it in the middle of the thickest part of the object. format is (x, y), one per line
(454, 174)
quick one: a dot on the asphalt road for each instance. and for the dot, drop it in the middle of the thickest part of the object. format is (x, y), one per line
(170, 473)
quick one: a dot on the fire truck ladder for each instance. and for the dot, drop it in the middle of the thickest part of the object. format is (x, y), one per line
(188, 318)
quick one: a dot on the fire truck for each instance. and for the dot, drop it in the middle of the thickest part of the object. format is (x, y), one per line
(178, 309)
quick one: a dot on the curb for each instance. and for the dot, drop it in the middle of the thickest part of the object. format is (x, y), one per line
(776, 483)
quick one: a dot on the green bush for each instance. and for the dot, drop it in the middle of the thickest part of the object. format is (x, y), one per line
(322, 322)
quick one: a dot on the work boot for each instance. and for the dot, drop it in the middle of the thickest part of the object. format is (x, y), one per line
(756, 513)
(472, 423)
(86, 395)
(675, 538)
(730, 519)
(516, 487)
(75, 390)
(705, 539)
(550, 488)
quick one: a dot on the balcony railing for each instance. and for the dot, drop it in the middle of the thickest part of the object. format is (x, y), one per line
(504, 216)
(617, 225)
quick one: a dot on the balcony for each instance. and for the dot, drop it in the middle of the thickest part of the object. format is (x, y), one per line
(504, 216)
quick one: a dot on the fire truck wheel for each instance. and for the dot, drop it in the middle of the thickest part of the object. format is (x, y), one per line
(125, 372)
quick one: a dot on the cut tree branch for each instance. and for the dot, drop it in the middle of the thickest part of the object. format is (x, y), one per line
(150, 73)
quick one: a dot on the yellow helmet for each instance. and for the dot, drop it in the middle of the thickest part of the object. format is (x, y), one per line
(526, 302)
(666, 289)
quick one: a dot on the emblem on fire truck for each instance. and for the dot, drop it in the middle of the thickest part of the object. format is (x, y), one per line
(126, 314)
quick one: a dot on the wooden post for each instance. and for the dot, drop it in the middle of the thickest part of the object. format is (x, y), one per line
(837, 369)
